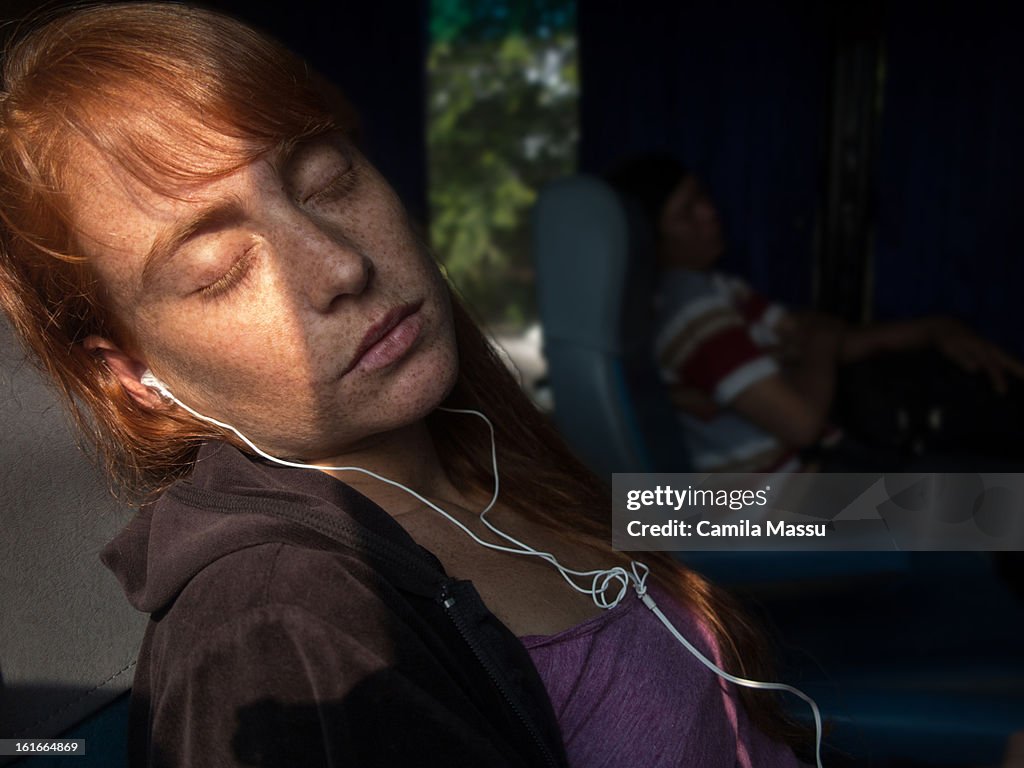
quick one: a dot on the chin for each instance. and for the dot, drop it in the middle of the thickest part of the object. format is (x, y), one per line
(421, 387)
(408, 394)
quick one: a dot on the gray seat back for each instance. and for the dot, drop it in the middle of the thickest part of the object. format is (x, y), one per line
(68, 638)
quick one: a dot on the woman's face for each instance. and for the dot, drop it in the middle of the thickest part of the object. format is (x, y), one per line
(691, 234)
(290, 298)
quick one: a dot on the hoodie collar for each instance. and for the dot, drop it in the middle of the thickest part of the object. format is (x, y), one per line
(231, 501)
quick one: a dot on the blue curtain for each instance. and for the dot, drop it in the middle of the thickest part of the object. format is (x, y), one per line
(952, 165)
(737, 90)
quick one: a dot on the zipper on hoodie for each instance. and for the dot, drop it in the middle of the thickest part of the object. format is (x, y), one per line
(449, 602)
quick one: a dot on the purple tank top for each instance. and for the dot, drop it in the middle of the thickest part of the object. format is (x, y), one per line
(627, 693)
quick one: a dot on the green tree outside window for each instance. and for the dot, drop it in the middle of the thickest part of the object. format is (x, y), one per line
(502, 121)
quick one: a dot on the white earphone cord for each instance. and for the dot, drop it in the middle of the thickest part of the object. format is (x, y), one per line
(601, 580)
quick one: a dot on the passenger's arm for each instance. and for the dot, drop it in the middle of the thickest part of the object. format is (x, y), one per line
(868, 340)
(859, 342)
(951, 337)
(794, 405)
(774, 405)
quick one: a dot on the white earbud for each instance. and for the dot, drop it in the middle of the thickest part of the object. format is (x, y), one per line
(150, 380)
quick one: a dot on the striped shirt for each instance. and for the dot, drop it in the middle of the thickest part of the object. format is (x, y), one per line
(713, 336)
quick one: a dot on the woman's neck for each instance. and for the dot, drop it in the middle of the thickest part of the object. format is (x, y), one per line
(406, 455)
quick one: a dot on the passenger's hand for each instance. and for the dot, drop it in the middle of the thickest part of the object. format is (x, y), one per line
(973, 353)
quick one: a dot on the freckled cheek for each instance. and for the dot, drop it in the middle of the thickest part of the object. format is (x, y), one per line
(222, 360)
(386, 230)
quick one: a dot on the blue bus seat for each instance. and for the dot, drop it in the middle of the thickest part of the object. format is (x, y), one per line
(595, 277)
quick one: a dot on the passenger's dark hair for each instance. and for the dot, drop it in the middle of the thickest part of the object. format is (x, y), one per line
(648, 179)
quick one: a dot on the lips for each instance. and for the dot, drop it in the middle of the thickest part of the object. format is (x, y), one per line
(388, 339)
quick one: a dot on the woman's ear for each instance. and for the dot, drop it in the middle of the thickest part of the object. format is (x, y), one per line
(126, 369)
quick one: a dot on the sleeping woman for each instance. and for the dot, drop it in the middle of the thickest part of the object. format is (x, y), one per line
(235, 308)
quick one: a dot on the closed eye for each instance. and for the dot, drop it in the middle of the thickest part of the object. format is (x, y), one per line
(238, 272)
(340, 185)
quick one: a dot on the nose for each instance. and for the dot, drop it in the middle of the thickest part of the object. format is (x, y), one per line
(329, 266)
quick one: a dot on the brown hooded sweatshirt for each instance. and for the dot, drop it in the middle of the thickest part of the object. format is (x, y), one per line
(295, 623)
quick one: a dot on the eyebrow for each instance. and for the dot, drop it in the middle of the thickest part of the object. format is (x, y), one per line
(284, 159)
(222, 213)
(291, 158)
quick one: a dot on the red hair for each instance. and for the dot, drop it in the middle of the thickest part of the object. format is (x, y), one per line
(173, 95)
(156, 87)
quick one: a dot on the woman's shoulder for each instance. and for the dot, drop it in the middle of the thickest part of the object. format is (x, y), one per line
(209, 550)
(275, 582)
